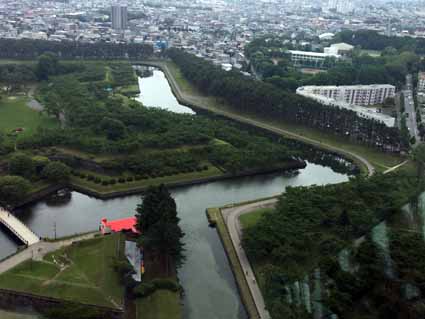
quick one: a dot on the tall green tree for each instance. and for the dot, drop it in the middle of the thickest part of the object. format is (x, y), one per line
(159, 224)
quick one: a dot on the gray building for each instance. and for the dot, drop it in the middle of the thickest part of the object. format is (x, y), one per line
(119, 17)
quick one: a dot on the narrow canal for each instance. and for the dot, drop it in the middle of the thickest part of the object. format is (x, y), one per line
(210, 289)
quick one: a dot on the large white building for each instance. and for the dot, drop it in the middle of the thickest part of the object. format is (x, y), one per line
(421, 82)
(305, 57)
(353, 97)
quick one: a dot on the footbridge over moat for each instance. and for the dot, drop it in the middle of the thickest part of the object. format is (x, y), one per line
(18, 228)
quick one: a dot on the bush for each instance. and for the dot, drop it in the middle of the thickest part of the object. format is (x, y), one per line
(113, 181)
(138, 177)
(97, 180)
(90, 177)
(205, 167)
(121, 180)
(144, 290)
(105, 183)
(165, 283)
(130, 179)
(56, 172)
(83, 176)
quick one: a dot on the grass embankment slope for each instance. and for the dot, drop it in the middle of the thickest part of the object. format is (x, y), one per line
(80, 273)
(15, 113)
(162, 304)
(381, 161)
(252, 218)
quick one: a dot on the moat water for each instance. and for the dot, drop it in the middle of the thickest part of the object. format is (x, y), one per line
(210, 288)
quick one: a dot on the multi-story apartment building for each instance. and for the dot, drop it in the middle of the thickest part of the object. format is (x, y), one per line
(305, 57)
(421, 82)
(119, 17)
(353, 94)
(354, 98)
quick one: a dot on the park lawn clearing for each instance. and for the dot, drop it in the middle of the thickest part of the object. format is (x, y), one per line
(162, 304)
(252, 218)
(82, 272)
(14, 113)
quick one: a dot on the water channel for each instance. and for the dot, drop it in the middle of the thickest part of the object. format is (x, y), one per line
(210, 289)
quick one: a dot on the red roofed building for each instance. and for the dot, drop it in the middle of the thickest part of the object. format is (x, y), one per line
(118, 225)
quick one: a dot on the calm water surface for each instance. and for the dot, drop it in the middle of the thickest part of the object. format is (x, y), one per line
(210, 289)
(156, 92)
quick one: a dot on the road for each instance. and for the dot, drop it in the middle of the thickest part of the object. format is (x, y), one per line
(202, 103)
(409, 106)
(39, 250)
(231, 218)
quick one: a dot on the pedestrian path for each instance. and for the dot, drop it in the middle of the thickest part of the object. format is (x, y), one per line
(26, 235)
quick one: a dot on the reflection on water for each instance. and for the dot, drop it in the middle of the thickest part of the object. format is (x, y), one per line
(155, 91)
(210, 289)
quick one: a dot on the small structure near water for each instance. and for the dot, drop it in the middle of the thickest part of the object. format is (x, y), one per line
(119, 225)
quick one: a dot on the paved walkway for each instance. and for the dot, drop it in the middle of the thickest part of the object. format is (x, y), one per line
(39, 250)
(202, 103)
(17, 227)
(231, 217)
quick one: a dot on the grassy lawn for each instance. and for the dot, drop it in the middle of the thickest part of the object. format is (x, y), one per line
(250, 219)
(162, 304)
(183, 177)
(14, 113)
(380, 160)
(82, 273)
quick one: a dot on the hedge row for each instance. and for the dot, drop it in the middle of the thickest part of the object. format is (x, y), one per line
(129, 179)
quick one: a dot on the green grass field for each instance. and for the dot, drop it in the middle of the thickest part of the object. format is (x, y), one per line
(162, 304)
(250, 219)
(82, 273)
(14, 113)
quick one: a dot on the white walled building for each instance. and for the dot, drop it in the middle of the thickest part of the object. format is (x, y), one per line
(421, 81)
(354, 98)
(301, 57)
(353, 94)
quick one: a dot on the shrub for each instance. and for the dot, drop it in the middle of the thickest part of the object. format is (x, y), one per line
(121, 180)
(56, 172)
(113, 181)
(165, 283)
(205, 167)
(144, 290)
(105, 183)
(97, 180)
(90, 177)
(138, 177)
(82, 175)
(130, 179)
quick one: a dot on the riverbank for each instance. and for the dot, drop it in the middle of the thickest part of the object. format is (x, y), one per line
(104, 193)
(366, 158)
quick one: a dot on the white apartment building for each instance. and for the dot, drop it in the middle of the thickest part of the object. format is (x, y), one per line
(354, 98)
(421, 81)
(304, 57)
(353, 94)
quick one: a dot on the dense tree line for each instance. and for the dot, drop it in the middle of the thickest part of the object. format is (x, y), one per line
(32, 49)
(155, 142)
(270, 60)
(265, 100)
(310, 225)
(372, 40)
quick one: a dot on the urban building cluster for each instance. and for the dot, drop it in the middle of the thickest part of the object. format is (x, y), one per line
(215, 30)
(357, 98)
